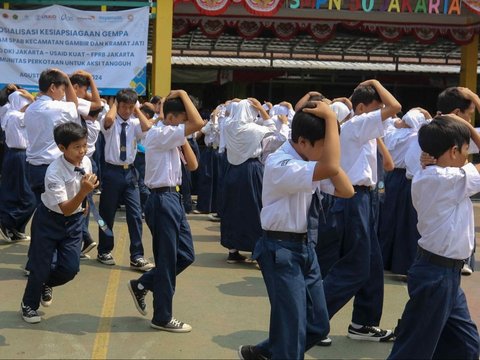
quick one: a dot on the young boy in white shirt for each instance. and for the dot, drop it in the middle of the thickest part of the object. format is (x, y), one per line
(293, 176)
(436, 322)
(172, 242)
(68, 181)
(358, 270)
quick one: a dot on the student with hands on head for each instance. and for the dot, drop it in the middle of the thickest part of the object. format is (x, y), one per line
(441, 195)
(164, 213)
(123, 125)
(293, 177)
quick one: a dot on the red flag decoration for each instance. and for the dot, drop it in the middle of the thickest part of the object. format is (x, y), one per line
(255, 7)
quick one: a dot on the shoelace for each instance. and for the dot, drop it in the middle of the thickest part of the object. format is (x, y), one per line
(29, 310)
(47, 291)
(375, 330)
(175, 323)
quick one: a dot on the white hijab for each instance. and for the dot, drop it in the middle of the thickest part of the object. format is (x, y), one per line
(242, 136)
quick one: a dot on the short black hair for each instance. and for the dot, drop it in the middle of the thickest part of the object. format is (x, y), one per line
(155, 99)
(174, 106)
(49, 77)
(66, 133)
(441, 134)
(78, 79)
(95, 112)
(147, 111)
(5, 93)
(450, 99)
(127, 95)
(364, 94)
(308, 126)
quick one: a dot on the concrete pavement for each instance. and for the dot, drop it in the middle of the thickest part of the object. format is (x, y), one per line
(93, 316)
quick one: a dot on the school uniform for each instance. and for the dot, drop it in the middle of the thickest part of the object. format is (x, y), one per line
(17, 201)
(208, 169)
(398, 234)
(41, 117)
(165, 216)
(436, 322)
(54, 232)
(286, 254)
(119, 183)
(358, 269)
(140, 168)
(240, 226)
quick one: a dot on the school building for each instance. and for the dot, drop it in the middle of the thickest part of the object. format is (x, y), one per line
(280, 49)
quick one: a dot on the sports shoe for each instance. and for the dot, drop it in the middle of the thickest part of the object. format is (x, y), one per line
(173, 326)
(466, 270)
(214, 217)
(5, 233)
(369, 333)
(250, 352)
(88, 244)
(141, 264)
(326, 341)
(84, 256)
(106, 259)
(236, 257)
(18, 236)
(47, 295)
(199, 212)
(138, 295)
(29, 315)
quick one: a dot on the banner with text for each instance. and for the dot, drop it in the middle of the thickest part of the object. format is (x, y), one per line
(111, 45)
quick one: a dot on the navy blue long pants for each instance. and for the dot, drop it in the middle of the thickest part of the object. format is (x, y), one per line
(36, 179)
(358, 272)
(298, 316)
(172, 249)
(52, 232)
(207, 180)
(436, 323)
(121, 184)
(17, 201)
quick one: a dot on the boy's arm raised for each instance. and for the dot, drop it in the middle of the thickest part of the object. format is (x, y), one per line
(392, 106)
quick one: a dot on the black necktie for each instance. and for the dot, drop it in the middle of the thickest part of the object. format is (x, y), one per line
(312, 217)
(94, 209)
(123, 142)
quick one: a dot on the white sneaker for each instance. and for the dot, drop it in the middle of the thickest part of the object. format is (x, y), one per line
(467, 270)
(173, 326)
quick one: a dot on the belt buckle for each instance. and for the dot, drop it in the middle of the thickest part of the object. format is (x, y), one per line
(125, 166)
(215, 147)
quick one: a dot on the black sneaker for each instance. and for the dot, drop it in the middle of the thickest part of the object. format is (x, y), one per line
(18, 236)
(326, 341)
(236, 257)
(214, 217)
(250, 352)
(29, 315)
(47, 295)
(141, 264)
(138, 295)
(369, 333)
(84, 256)
(173, 326)
(106, 259)
(88, 244)
(5, 233)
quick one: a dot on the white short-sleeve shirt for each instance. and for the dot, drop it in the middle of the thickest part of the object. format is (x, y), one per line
(62, 182)
(13, 125)
(398, 142)
(287, 190)
(441, 197)
(359, 147)
(40, 119)
(162, 156)
(112, 140)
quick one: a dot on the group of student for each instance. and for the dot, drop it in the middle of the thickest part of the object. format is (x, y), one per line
(325, 195)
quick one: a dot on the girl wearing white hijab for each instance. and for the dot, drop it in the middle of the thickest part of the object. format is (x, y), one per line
(17, 201)
(242, 186)
(398, 234)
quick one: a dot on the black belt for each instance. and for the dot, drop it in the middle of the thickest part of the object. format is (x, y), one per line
(286, 236)
(123, 167)
(164, 189)
(363, 188)
(440, 260)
